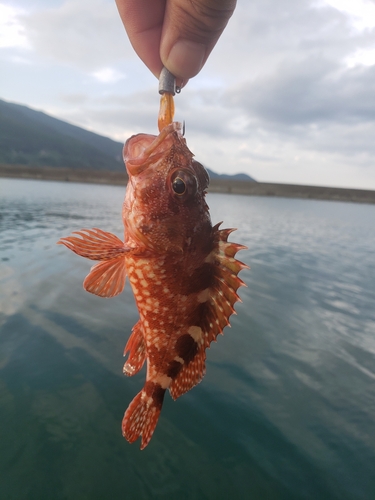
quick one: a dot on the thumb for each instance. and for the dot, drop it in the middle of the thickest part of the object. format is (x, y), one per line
(190, 31)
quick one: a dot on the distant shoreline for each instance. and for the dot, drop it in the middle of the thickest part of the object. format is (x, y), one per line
(217, 185)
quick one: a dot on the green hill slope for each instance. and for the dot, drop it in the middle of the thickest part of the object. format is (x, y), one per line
(29, 137)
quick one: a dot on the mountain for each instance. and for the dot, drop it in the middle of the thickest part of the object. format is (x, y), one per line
(33, 138)
(29, 137)
(234, 177)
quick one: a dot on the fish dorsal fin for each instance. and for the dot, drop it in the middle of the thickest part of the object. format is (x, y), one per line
(213, 312)
(136, 349)
(222, 293)
(107, 278)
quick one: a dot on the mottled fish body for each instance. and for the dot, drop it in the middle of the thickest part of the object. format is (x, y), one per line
(182, 270)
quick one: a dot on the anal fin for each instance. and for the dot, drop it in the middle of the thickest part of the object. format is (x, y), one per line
(190, 374)
(137, 351)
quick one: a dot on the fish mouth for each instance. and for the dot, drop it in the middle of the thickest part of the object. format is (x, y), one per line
(143, 149)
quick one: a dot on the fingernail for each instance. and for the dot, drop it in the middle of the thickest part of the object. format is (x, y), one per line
(186, 58)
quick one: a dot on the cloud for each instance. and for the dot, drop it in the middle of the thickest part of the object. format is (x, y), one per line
(361, 57)
(287, 95)
(300, 110)
(113, 115)
(360, 12)
(108, 75)
(311, 92)
(12, 33)
(73, 98)
(87, 34)
(263, 35)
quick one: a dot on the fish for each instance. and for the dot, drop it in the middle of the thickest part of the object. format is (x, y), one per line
(182, 270)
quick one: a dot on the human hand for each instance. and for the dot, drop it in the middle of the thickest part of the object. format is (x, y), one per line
(177, 34)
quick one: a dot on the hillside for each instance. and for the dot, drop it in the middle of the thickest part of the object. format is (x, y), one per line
(34, 139)
(29, 137)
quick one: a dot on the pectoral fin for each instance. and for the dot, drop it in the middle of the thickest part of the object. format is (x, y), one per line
(107, 278)
(94, 244)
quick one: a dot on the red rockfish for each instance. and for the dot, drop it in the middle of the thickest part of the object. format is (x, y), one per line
(183, 271)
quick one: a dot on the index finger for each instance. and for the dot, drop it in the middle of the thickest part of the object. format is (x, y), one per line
(143, 22)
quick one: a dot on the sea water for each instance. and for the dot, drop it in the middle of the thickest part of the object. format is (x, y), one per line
(287, 407)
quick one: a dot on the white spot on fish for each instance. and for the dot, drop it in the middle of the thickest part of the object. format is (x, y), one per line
(196, 333)
(139, 273)
(203, 295)
(164, 381)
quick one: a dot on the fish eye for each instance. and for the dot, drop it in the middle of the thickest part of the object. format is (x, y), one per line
(183, 183)
(179, 186)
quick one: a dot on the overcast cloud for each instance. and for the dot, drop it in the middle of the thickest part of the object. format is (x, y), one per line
(288, 95)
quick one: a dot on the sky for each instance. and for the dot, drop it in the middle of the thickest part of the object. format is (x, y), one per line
(287, 95)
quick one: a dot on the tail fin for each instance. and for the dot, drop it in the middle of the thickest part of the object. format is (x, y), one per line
(142, 415)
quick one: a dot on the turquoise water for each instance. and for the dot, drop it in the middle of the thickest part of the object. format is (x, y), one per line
(287, 408)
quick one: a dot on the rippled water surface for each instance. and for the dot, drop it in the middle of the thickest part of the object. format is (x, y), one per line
(287, 407)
